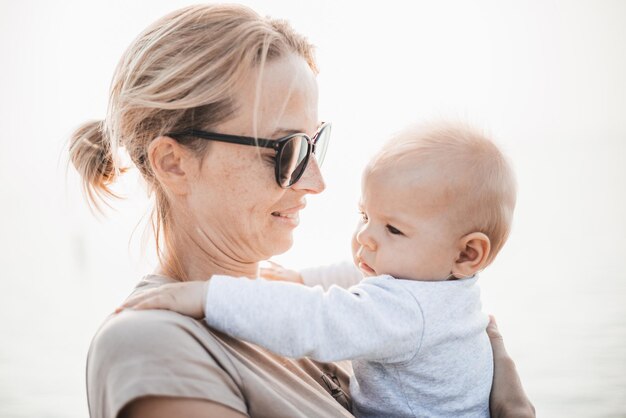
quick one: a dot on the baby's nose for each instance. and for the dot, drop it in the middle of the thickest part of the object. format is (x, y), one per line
(365, 239)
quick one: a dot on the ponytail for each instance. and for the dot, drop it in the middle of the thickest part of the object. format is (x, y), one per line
(91, 155)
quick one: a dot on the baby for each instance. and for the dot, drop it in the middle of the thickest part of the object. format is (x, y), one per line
(436, 207)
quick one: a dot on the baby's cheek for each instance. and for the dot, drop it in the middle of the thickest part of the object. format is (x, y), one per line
(355, 246)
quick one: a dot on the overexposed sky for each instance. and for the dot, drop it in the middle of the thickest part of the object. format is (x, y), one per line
(546, 78)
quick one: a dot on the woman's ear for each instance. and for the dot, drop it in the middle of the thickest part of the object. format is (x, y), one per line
(474, 249)
(170, 163)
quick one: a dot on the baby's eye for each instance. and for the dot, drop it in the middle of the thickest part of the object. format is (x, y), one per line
(394, 231)
(363, 216)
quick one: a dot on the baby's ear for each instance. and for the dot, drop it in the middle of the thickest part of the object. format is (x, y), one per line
(474, 249)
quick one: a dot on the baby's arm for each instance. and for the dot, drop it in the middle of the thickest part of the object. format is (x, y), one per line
(375, 320)
(186, 298)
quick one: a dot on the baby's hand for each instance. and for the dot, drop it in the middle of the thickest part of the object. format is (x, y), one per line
(186, 298)
(278, 272)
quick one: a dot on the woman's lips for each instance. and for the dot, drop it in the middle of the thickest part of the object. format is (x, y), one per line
(289, 217)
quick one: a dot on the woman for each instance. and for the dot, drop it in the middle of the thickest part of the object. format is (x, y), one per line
(217, 108)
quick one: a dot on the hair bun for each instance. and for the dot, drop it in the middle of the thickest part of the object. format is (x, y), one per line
(91, 155)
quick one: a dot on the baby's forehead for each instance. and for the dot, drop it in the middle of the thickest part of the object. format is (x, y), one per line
(424, 186)
(411, 171)
(421, 189)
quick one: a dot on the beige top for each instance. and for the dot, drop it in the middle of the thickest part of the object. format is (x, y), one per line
(162, 353)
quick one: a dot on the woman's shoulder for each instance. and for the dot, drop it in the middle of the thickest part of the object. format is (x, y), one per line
(147, 331)
(151, 335)
(157, 352)
(143, 331)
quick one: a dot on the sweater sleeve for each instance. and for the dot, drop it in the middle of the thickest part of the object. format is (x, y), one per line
(343, 274)
(375, 320)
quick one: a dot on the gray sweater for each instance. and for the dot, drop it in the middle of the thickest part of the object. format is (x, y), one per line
(419, 349)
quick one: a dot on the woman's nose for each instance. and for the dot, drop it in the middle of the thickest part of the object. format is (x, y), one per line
(311, 180)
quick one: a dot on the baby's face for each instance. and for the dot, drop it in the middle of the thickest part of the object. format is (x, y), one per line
(405, 229)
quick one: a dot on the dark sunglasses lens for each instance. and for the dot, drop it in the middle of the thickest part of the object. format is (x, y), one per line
(292, 161)
(321, 144)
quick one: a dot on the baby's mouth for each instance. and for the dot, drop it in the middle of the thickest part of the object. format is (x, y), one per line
(365, 268)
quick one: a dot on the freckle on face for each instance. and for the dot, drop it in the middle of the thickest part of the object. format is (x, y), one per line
(241, 186)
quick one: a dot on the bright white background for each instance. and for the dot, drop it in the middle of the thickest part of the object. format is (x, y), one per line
(547, 78)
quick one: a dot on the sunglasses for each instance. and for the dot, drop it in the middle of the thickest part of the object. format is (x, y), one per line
(293, 152)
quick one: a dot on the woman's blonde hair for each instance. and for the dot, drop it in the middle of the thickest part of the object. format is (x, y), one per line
(181, 72)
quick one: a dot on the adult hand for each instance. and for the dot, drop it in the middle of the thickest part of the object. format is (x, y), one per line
(508, 398)
(277, 272)
(186, 298)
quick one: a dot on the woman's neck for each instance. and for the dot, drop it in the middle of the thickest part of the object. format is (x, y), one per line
(204, 270)
(186, 258)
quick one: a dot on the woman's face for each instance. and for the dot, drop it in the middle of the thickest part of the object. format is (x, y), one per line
(234, 201)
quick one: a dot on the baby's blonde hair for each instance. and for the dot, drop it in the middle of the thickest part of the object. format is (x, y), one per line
(472, 167)
(182, 72)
